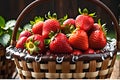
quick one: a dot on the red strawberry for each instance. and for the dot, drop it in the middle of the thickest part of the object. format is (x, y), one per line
(68, 26)
(25, 33)
(37, 28)
(84, 21)
(60, 44)
(95, 26)
(76, 52)
(69, 22)
(97, 39)
(37, 25)
(79, 40)
(21, 42)
(50, 25)
(89, 51)
(35, 44)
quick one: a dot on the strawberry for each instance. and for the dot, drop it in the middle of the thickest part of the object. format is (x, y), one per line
(60, 44)
(21, 42)
(84, 20)
(50, 25)
(76, 52)
(37, 25)
(35, 44)
(89, 51)
(68, 26)
(79, 39)
(97, 39)
(25, 33)
(96, 26)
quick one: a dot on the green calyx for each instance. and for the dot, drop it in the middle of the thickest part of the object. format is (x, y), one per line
(102, 27)
(51, 16)
(36, 20)
(32, 47)
(61, 20)
(86, 12)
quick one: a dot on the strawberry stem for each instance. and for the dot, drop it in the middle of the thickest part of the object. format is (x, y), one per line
(36, 19)
(51, 16)
(85, 12)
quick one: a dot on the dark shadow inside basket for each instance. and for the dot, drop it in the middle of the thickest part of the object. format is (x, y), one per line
(98, 65)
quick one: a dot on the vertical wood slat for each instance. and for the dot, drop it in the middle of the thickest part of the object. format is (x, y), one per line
(79, 67)
(18, 66)
(92, 67)
(51, 67)
(36, 66)
(104, 66)
(112, 64)
(65, 67)
(25, 69)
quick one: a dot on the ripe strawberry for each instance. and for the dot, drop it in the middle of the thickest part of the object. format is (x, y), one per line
(96, 26)
(21, 42)
(68, 26)
(37, 25)
(50, 25)
(79, 40)
(84, 20)
(76, 52)
(89, 51)
(97, 39)
(69, 22)
(35, 44)
(60, 44)
(25, 33)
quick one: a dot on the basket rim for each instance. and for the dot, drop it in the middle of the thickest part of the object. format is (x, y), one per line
(12, 52)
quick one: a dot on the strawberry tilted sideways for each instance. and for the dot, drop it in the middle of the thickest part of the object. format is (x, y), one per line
(35, 44)
(21, 42)
(60, 44)
(79, 39)
(68, 26)
(84, 21)
(25, 33)
(51, 25)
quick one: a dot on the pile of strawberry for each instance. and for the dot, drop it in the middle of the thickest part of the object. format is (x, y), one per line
(71, 36)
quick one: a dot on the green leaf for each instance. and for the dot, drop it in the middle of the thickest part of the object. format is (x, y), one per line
(85, 11)
(10, 24)
(4, 39)
(47, 41)
(1, 31)
(27, 27)
(2, 22)
(61, 20)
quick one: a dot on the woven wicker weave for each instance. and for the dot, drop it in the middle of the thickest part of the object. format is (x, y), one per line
(93, 69)
(7, 67)
(47, 68)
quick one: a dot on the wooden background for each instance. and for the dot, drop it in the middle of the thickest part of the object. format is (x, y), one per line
(10, 9)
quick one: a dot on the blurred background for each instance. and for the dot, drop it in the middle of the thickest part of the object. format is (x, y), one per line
(10, 9)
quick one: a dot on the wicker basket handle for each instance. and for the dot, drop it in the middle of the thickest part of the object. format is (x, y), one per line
(37, 2)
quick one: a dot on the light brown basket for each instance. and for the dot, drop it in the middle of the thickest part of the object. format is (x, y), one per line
(7, 67)
(83, 66)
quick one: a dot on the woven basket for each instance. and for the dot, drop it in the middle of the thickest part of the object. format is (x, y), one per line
(7, 67)
(83, 66)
